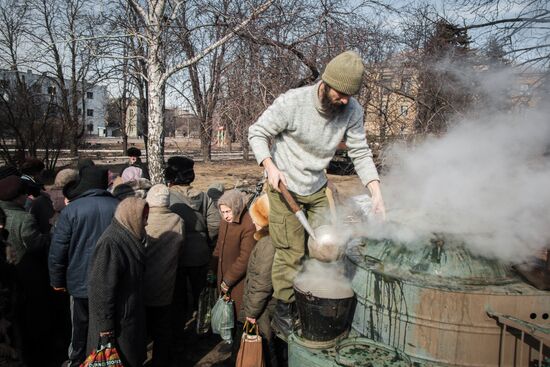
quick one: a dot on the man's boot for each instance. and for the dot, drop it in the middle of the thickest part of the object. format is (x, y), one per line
(284, 319)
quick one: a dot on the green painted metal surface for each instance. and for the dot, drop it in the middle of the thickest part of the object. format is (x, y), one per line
(435, 296)
(350, 352)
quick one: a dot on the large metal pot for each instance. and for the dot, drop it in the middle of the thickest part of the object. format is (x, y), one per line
(323, 319)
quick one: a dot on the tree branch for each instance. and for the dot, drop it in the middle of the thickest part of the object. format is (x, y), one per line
(218, 43)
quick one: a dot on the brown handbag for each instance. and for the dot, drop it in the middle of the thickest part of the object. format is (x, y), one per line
(250, 351)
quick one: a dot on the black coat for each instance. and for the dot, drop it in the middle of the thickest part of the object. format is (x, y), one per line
(116, 293)
(76, 232)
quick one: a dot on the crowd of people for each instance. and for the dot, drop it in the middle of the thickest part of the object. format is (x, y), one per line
(98, 255)
(103, 255)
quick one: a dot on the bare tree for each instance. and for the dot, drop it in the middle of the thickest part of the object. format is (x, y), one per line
(64, 35)
(157, 17)
(521, 27)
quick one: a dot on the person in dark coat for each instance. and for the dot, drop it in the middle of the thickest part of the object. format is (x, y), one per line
(235, 243)
(165, 234)
(28, 246)
(134, 160)
(258, 301)
(202, 221)
(38, 202)
(79, 226)
(117, 308)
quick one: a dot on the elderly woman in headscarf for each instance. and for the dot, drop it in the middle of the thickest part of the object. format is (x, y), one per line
(115, 290)
(235, 243)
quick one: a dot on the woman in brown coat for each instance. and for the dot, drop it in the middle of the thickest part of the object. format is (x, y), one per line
(235, 243)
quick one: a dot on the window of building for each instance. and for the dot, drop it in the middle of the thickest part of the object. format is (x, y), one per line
(52, 90)
(90, 95)
(4, 83)
(90, 128)
(90, 113)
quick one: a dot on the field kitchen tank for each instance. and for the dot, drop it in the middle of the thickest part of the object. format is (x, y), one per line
(440, 305)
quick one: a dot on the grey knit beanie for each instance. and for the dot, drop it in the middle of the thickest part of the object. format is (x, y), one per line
(158, 196)
(344, 73)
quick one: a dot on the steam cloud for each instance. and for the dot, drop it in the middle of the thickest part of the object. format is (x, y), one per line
(487, 181)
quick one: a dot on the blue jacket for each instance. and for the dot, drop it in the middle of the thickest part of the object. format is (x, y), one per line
(76, 232)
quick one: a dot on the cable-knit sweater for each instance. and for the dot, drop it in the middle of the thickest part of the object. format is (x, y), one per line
(305, 139)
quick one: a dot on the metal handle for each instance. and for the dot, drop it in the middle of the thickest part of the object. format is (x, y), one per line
(289, 199)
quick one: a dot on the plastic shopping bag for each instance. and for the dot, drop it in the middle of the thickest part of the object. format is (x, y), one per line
(207, 300)
(223, 319)
(105, 355)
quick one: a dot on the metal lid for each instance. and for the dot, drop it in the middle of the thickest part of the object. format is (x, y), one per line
(441, 260)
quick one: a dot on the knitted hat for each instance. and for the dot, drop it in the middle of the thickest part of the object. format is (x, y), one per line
(84, 163)
(65, 176)
(11, 187)
(133, 152)
(158, 196)
(179, 171)
(344, 73)
(68, 189)
(259, 211)
(91, 177)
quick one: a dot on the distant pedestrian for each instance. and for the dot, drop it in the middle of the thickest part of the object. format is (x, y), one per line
(116, 279)
(134, 160)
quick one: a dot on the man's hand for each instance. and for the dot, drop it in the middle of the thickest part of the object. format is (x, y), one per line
(251, 320)
(273, 174)
(59, 289)
(378, 207)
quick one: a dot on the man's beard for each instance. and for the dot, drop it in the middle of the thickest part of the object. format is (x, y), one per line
(328, 106)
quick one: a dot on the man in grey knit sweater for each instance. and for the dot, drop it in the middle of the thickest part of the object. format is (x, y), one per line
(305, 126)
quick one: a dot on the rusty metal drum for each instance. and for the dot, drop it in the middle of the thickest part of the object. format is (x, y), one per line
(437, 303)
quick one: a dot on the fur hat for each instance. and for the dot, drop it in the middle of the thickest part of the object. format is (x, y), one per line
(32, 166)
(179, 170)
(158, 196)
(344, 73)
(12, 187)
(133, 152)
(259, 211)
(65, 176)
